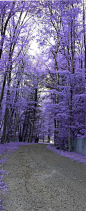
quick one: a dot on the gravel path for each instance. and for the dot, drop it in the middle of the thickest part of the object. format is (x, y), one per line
(41, 180)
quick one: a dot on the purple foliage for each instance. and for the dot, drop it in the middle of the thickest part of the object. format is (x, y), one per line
(45, 94)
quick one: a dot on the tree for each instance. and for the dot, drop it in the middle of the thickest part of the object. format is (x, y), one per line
(43, 94)
(13, 43)
(64, 32)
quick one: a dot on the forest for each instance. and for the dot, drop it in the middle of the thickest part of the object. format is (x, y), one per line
(43, 71)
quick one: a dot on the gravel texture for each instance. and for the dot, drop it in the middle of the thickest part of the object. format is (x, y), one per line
(41, 180)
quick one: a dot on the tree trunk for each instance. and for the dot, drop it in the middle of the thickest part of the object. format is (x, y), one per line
(43, 138)
(84, 28)
(48, 138)
(70, 121)
(32, 123)
(15, 125)
(56, 123)
(6, 116)
(72, 69)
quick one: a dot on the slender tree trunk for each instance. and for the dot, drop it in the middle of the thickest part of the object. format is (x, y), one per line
(24, 125)
(15, 125)
(3, 87)
(84, 28)
(48, 138)
(70, 120)
(43, 137)
(56, 122)
(6, 116)
(72, 36)
(34, 111)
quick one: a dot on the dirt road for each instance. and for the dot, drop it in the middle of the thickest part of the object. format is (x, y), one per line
(41, 180)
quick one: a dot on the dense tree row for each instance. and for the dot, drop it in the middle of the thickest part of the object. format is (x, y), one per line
(43, 94)
(65, 35)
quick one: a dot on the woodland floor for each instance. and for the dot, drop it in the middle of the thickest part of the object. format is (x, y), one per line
(41, 180)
